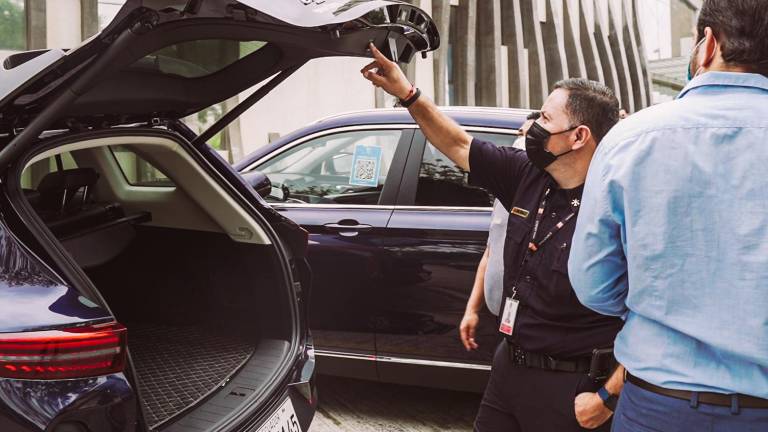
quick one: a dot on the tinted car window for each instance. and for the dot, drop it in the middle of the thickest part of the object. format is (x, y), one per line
(34, 173)
(343, 168)
(137, 171)
(443, 184)
(194, 59)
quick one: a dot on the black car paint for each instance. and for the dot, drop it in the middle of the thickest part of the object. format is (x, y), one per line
(388, 299)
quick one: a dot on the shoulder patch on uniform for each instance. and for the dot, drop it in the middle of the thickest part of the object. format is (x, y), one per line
(517, 211)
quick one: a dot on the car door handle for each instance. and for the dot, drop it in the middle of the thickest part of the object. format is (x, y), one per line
(341, 226)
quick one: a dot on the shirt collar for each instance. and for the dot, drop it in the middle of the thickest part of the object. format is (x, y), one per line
(732, 79)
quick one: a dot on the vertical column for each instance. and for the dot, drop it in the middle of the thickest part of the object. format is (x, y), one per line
(589, 48)
(557, 68)
(63, 23)
(36, 27)
(534, 48)
(606, 56)
(622, 65)
(633, 55)
(574, 54)
(441, 13)
(512, 37)
(464, 53)
(643, 61)
(89, 11)
(410, 68)
(489, 85)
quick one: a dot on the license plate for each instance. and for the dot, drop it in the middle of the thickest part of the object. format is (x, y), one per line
(283, 420)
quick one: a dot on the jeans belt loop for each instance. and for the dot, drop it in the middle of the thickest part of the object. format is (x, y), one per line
(695, 400)
(735, 409)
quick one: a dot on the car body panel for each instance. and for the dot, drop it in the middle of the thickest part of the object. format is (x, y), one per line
(424, 262)
(32, 298)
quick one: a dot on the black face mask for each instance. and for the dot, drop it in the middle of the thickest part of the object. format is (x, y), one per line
(536, 145)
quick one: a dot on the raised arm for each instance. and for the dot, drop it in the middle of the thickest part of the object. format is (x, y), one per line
(439, 129)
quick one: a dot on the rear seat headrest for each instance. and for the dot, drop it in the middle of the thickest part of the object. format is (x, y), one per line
(71, 179)
(58, 186)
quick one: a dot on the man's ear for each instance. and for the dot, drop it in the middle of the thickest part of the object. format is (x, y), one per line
(709, 49)
(582, 136)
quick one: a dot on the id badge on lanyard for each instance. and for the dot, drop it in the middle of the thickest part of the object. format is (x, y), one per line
(508, 316)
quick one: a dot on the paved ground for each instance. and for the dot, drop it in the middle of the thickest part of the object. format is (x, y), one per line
(361, 406)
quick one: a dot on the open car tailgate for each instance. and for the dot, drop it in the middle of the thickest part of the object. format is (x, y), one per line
(143, 81)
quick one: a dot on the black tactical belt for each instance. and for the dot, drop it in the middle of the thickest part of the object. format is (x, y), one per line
(541, 361)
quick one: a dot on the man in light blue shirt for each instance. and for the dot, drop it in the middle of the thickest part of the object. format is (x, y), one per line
(673, 236)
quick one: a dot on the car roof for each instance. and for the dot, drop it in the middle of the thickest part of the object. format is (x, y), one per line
(485, 117)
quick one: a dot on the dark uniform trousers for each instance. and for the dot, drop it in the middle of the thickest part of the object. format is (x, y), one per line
(522, 399)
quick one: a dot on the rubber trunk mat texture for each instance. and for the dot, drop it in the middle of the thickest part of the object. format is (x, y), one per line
(178, 366)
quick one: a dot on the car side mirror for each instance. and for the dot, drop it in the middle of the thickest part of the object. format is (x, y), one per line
(259, 182)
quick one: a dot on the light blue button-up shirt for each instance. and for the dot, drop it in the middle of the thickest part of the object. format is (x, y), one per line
(672, 235)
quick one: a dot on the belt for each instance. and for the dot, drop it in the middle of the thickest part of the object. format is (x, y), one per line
(719, 399)
(542, 361)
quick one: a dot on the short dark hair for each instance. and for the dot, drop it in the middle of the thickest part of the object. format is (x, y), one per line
(741, 29)
(533, 115)
(592, 104)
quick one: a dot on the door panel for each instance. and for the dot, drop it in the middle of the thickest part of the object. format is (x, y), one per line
(345, 270)
(340, 187)
(439, 230)
(436, 253)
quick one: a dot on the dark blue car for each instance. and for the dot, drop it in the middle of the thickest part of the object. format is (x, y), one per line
(145, 285)
(396, 233)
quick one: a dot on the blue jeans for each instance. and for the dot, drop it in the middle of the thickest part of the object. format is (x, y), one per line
(642, 411)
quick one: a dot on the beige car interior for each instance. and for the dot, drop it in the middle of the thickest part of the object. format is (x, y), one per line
(196, 202)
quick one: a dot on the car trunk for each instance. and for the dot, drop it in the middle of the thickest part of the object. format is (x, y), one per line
(198, 307)
(208, 312)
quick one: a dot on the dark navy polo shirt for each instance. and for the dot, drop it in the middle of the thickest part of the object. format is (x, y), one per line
(550, 320)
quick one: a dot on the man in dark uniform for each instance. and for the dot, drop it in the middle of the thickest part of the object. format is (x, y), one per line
(546, 373)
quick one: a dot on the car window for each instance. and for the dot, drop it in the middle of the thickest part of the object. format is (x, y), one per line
(137, 171)
(343, 168)
(34, 173)
(443, 184)
(198, 58)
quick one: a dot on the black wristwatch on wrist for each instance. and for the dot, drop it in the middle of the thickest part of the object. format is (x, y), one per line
(411, 99)
(609, 400)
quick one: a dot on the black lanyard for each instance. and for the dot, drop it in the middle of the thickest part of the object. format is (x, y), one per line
(533, 245)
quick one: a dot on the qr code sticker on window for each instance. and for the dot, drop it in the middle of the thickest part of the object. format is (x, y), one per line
(365, 170)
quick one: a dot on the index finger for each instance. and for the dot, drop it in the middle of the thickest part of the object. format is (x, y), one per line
(378, 55)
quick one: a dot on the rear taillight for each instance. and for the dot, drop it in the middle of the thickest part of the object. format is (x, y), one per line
(57, 354)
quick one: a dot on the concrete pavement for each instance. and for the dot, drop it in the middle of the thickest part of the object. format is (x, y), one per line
(362, 406)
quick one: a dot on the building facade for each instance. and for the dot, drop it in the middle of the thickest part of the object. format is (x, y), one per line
(502, 53)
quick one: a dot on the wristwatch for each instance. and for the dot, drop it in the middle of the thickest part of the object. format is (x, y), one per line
(609, 400)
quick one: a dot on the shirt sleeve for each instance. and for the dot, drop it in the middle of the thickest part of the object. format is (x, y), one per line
(597, 265)
(497, 169)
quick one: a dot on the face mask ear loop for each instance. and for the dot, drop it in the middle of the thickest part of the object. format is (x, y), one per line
(558, 133)
(691, 74)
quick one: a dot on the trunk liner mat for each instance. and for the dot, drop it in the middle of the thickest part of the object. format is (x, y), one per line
(179, 366)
